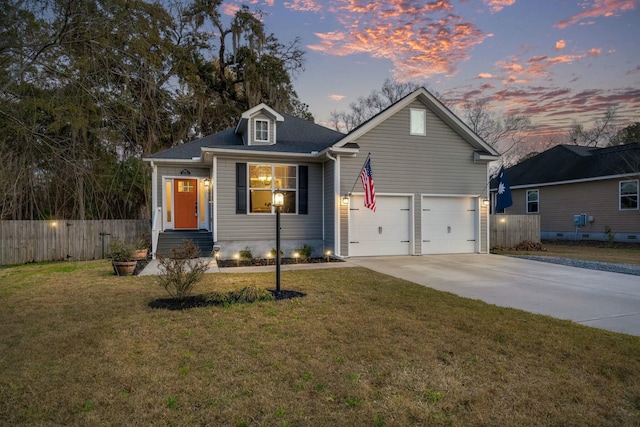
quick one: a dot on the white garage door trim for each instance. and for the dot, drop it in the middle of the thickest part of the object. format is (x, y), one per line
(450, 224)
(384, 232)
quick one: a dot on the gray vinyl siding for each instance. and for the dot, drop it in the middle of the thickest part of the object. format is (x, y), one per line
(559, 203)
(439, 163)
(252, 227)
(329, 206)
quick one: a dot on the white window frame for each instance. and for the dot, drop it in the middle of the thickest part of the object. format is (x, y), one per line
(537, 201)
(418, 121)
(620, 195)
(256, 130)
(273, 187)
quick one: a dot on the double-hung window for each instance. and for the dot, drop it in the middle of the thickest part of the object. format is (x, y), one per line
(264, 179)
(629, 195)
(533, 201)
(261, 130)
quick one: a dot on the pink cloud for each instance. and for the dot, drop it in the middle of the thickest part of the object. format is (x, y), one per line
(560, 44)
(498, 5)
(419, 39)
(538, 66)
(599, 8)
(485, 76)
(336, 97)
(229, 9)
(303, 5)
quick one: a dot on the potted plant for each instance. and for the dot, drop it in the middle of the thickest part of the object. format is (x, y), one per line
(121, 253)
(141, 247)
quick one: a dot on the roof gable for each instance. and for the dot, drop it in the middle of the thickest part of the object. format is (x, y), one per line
(439, 109)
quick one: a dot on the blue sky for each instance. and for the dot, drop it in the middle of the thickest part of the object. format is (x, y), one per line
(556, 61)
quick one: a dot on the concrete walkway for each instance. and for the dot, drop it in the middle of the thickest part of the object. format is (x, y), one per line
(600, 299)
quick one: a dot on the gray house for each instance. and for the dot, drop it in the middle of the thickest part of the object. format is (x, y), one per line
(597, 187)
(430, 173)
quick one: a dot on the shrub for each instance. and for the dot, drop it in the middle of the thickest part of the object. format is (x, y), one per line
(246, 253)
(273, 252)
(121, 250)
(611, 236)
(305, 252)
(182, 270)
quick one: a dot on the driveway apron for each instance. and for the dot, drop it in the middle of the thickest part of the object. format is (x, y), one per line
(599, 299)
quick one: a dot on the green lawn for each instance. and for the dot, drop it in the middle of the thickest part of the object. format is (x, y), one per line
(594, 251)
(79, 346)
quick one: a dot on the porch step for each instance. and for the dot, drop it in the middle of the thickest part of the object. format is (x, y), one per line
(168, 240)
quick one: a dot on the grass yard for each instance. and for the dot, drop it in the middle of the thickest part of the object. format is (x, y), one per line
(594, 251)
(79, 346)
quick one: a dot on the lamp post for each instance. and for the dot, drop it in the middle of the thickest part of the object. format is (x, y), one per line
(278, 202)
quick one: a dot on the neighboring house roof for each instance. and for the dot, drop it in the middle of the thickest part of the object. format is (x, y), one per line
(438, 108)
(570, 163)
(295, 135)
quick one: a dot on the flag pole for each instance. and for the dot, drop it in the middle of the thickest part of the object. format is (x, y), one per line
(359, 172)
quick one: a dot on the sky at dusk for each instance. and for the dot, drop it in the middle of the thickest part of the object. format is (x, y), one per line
(554, 61)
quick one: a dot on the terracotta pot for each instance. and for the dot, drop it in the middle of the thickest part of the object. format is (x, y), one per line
(124, 268)
(140, 254)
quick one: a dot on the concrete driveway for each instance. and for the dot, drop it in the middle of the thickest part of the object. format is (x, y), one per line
(594, 298)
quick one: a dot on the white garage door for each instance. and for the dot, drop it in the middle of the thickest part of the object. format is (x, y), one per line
(387, 231)
(449, 225)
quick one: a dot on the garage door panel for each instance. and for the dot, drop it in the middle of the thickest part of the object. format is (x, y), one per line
(384, 232)
(449, 225)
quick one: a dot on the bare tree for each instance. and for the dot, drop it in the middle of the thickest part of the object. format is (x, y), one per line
(365, 108)
(502, 132)
(599, 134)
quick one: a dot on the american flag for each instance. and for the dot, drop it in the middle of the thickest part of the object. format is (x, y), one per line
(369, 188)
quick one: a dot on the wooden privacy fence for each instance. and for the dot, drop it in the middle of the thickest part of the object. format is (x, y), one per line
(507, 231)
(35, 241)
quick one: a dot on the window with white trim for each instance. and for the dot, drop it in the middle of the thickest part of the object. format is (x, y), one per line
(264, 179)
(418, 118)
(533, 201)
(261, 132)
(629, 193)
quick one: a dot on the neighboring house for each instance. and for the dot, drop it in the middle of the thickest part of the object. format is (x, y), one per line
(568, 181)
(430, 173)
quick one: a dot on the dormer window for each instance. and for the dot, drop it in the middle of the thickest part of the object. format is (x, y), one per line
(261, 130)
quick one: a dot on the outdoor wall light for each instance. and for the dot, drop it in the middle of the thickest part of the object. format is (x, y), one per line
(485, 202)
(345, 200)
(207, 181)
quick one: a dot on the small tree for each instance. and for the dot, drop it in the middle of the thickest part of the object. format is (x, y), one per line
(182, 270)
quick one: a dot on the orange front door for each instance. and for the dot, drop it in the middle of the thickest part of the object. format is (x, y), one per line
(185, 201)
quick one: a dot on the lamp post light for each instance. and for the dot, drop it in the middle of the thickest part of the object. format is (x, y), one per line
(278, 203)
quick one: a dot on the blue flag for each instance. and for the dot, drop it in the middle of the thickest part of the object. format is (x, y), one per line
(504, 192)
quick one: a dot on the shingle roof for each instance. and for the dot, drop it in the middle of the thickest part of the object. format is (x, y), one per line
(294, 135)
(569, 162)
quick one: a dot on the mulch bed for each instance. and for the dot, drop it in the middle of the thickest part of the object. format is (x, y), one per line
(196, 301)
(257, 262)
